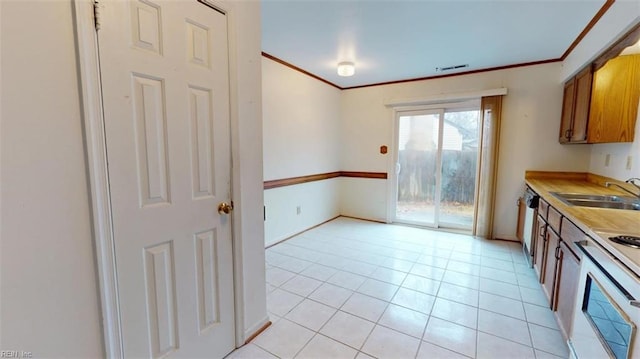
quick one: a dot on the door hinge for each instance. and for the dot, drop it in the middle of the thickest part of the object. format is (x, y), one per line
(96, 14)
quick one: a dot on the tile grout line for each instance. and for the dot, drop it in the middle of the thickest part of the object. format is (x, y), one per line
(401, 285)
(410, 273)
(428, 251)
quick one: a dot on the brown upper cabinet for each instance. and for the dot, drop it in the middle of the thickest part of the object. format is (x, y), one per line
(614, 102)
(600, 103)
(575, 108)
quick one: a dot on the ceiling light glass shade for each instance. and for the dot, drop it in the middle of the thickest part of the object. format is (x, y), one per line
(346, 69)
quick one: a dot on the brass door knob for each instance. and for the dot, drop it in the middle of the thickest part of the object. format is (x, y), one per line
(225, 208)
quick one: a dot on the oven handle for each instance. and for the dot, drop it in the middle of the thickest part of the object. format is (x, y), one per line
(583, 247)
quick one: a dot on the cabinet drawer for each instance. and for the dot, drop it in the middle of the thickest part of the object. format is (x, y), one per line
(570, 234)
(542, 208)
(554, 219)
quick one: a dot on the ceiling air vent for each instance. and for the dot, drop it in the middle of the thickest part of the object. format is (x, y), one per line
(449, 68)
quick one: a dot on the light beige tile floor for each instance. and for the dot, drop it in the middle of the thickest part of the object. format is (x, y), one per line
(353, 288)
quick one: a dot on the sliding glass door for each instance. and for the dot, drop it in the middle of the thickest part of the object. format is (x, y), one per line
(436, 165)
(419, 142)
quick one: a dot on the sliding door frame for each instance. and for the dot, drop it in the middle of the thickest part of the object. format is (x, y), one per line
(393, 163)
(396, 170)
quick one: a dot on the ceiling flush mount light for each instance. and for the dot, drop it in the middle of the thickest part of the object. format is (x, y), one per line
(346, 68)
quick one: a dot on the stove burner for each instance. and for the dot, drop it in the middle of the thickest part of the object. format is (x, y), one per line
(630, 241)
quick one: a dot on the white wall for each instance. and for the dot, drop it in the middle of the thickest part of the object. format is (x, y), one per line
(364, 198)
(531, 117)
(619, 19)
(618, 153)
(319, 201)
(529, 133)
(49, 294)
(49, 303)
(301, 118)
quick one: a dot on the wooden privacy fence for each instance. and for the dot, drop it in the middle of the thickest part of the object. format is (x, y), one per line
(417, 177)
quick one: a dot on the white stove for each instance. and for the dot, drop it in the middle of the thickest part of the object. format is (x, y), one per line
(607, 310)
(628, 255)
(629, 241)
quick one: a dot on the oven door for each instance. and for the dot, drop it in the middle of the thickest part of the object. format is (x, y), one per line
(605, 319)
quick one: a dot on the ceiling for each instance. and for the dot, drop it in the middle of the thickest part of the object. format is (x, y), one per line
(399, 40)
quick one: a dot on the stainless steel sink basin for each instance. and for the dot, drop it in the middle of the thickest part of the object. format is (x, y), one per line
(589, 197)
(605, 204)
(599, 201)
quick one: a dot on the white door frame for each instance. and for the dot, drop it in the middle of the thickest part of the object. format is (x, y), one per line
(95, 146)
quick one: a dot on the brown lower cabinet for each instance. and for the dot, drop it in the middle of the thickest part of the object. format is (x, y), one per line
(522, 208)
(539, 258)
(550, 267)
(556, 262)
(567, 285)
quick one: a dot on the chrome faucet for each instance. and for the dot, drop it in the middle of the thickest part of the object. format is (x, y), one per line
(630, 181)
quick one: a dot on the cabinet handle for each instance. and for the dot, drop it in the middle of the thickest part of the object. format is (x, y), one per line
(635, 303)
(557, 252)
(567, 134)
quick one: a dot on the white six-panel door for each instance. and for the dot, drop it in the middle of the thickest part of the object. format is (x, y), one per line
(165, 83)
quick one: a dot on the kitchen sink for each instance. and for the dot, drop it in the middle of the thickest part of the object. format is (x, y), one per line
(588, 197)
(605, 204)
(599, 201)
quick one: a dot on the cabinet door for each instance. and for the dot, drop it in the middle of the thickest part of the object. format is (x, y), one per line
(581, 106)
(567, 111)
(539, 259)
(548, 285)
(614, 100)
(522, 210)
(566, 286)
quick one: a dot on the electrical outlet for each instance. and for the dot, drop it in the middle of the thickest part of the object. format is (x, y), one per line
(607, 160)
(629, 162)
(298, 209)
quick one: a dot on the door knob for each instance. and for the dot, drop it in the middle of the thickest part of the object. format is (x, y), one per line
(225, 208)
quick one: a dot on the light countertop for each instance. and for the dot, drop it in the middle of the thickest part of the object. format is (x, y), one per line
(598, 223)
